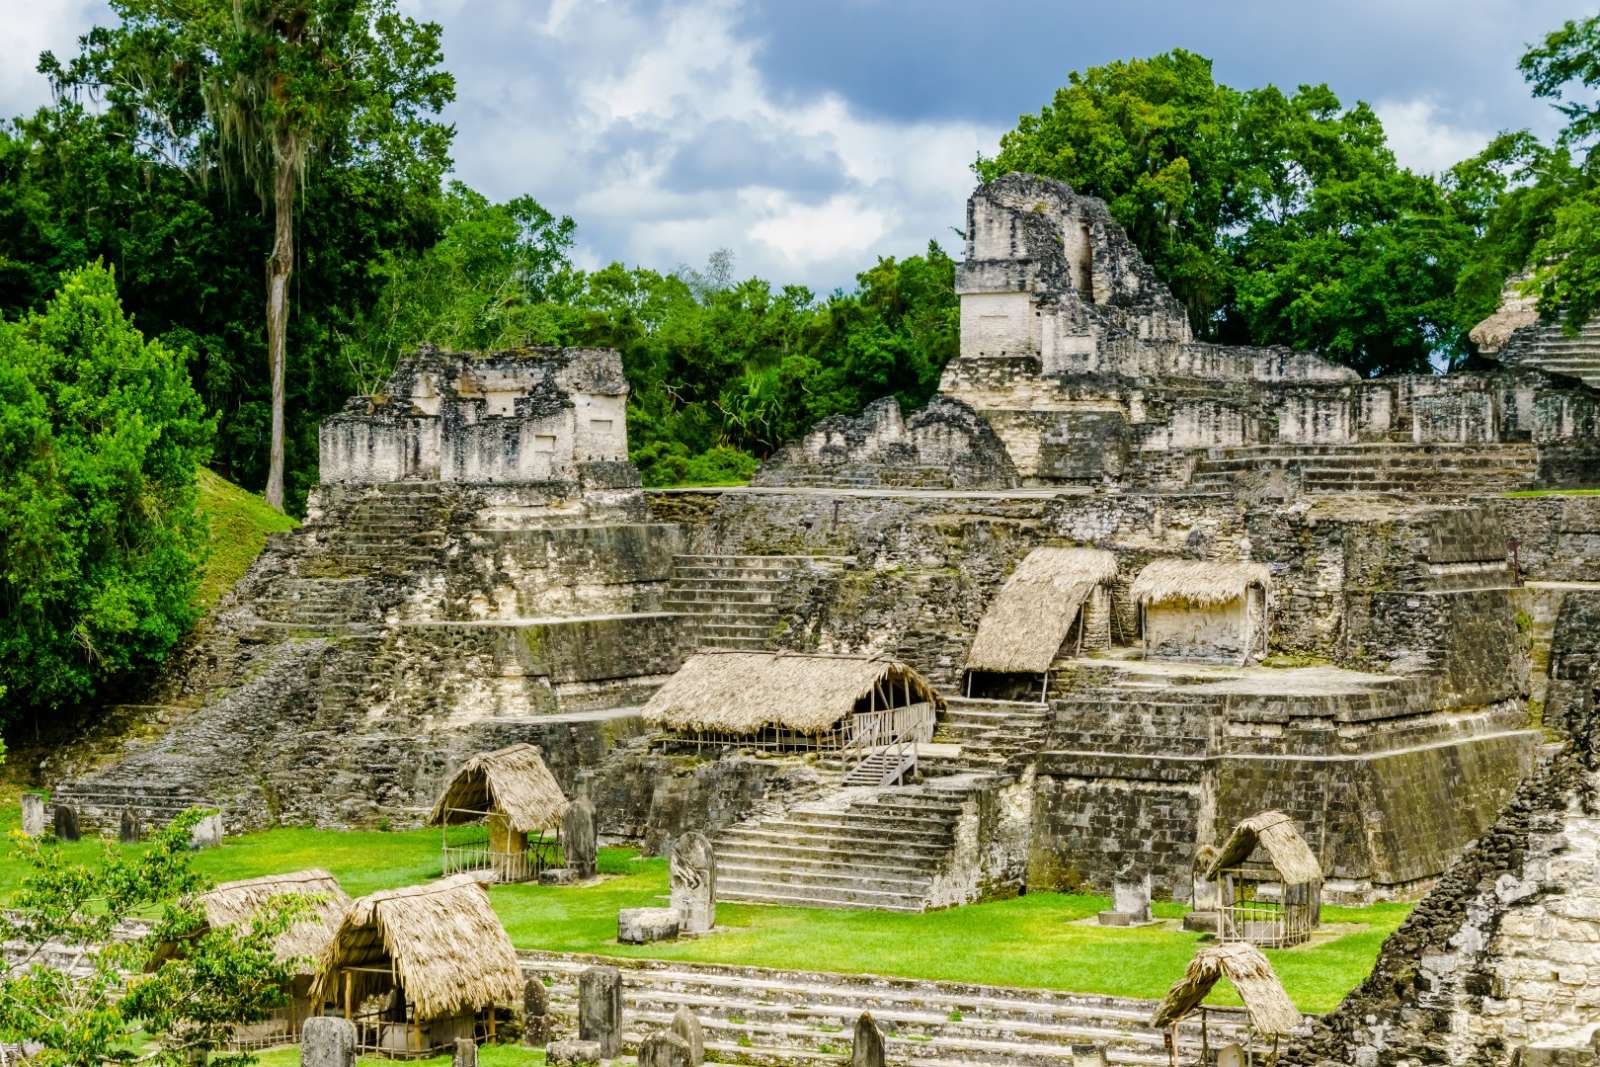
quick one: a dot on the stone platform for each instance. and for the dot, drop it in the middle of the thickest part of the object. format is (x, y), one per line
(755, 1015)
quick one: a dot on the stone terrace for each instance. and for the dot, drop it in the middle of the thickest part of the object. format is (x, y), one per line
(770, 1017)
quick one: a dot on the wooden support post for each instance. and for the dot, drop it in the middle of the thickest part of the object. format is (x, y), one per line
(348, 982)
(491, 1022)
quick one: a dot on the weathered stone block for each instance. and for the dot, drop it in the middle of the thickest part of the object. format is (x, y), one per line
(558, 876)
(640, 926)
(686, 1026)
(326, 1041)
(866, 1045)
(694, 882)
(33, 814)
(600, 1008)
(466, 1053)
(665, 1049)
(130, 829)
(1088, 1056)
(535, 1012)
(207, 833)
(578, 838)
(66, 822)
(570, 1053)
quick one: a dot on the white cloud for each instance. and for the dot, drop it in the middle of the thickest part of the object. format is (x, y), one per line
(1424, 139)
(34, 27)
(597, 135)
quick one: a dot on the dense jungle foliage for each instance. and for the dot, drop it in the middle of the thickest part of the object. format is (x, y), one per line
(1278, 217)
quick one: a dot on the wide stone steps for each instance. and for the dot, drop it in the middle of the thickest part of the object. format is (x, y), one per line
(100, 804)
(880, 851)
(1427, 470)
(989, 733)
(757, 1016)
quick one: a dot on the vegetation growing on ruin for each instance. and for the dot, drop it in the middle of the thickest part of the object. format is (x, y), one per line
(237, 525)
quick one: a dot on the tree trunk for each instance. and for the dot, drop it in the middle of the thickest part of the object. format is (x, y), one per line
(279, 266)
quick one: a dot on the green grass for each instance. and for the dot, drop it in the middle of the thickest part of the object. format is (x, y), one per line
(1029, 941)
(1552, 492)
(488, 1056)
(240, 522)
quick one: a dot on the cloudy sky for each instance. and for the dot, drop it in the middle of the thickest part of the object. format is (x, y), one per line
(810, 136)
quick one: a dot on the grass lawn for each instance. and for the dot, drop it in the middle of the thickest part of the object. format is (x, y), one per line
(1029, 941)
(240, 522)
(1552, 492)
(488, 1056)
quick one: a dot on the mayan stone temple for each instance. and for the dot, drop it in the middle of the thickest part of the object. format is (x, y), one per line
(1118, 612)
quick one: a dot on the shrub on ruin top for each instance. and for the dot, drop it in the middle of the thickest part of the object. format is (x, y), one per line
(101, 434)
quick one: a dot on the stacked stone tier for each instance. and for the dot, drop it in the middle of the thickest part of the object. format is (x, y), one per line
(1431, 470)
(1551, 348)
(764, 1017)
(881, 850)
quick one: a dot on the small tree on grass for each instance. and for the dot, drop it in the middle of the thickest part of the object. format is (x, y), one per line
(76, 989)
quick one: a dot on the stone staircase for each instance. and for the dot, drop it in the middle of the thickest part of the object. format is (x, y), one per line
(1549, 348)
(735, 602)
(100, 803)
(768, 1017)
(878, 850)
(396, 527)
(986, 735)
(1431, 470)
(315, 603)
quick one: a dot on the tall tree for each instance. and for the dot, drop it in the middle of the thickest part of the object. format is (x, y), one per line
(264, 92)
(1276, 218)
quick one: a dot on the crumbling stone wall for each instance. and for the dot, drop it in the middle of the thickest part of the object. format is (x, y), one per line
(1502, 953)
(517, 416)
(945, 445)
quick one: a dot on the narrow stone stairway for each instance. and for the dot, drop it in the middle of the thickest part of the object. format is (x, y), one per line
(734, 602)
(880, 850)
(392, 528)
(765, 1017)
(985, 735)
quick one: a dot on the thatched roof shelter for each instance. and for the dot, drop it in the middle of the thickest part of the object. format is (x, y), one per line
(1278, 837)
(1203, 583)
(743, 692)
(238, 903)
(1516, 311)
(1271, 1012)
(513, 781)
(1032, 614)
(444, 942)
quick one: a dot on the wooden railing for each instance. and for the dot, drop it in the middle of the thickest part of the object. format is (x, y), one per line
(889, 739)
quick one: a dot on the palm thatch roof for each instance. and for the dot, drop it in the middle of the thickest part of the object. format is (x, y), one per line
(1203, 583)
(1277, 835)
(443, 941)
(1271, 1011)
(514, 781)
(1032, 614)
(238, 903)
(1516, 310)
(744, 692)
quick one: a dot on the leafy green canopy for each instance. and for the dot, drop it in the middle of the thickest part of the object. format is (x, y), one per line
(1537, 205)
(1276, 219)
(127, 165)
(100, 437)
